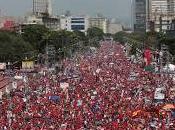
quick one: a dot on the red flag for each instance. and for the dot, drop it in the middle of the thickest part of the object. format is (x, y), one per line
(147, 56)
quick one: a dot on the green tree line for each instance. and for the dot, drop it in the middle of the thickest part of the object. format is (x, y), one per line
(35, 38)
(153, 40)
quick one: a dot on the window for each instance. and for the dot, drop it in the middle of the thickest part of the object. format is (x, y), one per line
(77, 18)
(77, 27)
(77, 22)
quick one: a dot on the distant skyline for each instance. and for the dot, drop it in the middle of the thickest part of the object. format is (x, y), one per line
(120, 9)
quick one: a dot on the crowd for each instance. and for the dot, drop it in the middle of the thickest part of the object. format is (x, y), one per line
(98, 91)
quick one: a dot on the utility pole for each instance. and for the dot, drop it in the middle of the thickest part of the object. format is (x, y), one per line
(164, 59)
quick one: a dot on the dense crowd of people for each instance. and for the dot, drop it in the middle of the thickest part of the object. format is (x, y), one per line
(103, 90)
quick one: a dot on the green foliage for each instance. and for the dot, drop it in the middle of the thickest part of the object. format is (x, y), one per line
(66, 42)
(119, 36)
(171, 44)
(133, 49)
(137, 36)
(80, 35)
(35, 35)
(95, 33)
(34, 39)
(12, 47)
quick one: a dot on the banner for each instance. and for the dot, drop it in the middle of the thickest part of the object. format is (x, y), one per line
(28, 65)
(159, 94)
(64, 85)
(1, 94)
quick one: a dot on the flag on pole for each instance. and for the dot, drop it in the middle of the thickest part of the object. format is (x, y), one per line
(147, 57)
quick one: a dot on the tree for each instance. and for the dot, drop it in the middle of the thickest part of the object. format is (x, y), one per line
(95, 32)
(94, 35)
(170, 42)
(119, 36)
(36, 36)
(12, 47)
(65, 42)
(80, 35)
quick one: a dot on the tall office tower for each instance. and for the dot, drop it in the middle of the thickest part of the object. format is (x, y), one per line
(42, 7)
(162, 12)
(139, 9)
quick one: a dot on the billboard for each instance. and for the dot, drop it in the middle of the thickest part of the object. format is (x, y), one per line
(9, 25)
(28, 65)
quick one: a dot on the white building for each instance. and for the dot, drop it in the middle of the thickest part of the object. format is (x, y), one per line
(74, 23)
(63, 22)
(98, 22)
(33, 19)
(53, 23)
(42, 7)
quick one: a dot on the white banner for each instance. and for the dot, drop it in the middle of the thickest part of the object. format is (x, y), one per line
(14, 85)
(64, 85)
(0, 94)
(159, 94)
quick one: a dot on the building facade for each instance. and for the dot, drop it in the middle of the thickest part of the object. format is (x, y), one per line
(98, 22)
(162, 12)
(74, 23)
(154, 15)
(8, 23)
(33, 19)
(42, 7)
(52, 23)
(140, 8)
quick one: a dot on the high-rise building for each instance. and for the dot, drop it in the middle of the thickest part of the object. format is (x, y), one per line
(161, 12)
(153, 15)
(41, 7)
(139, 9)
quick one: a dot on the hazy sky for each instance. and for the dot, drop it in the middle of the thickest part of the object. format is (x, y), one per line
(111, 8)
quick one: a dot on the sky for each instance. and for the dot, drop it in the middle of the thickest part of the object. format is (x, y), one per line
(119, 9)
